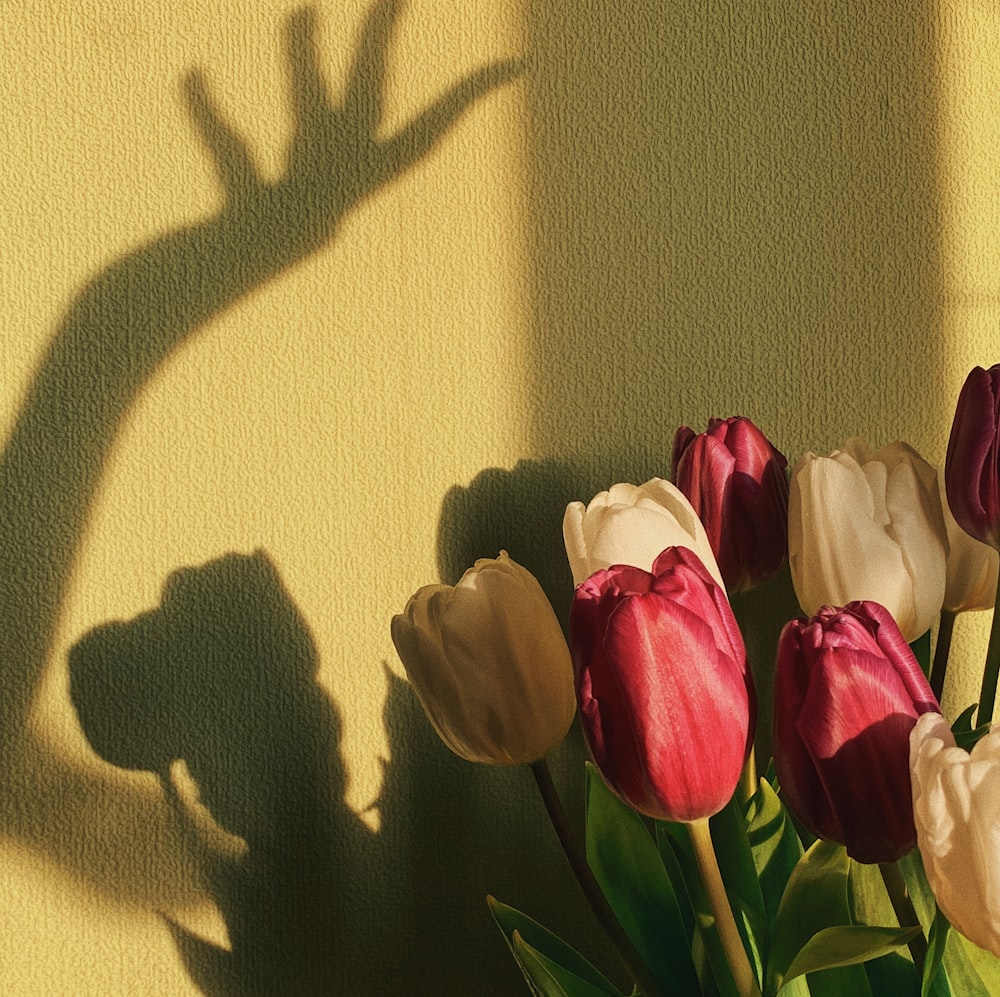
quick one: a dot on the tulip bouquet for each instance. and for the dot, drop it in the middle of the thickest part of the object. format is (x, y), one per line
(864, 858)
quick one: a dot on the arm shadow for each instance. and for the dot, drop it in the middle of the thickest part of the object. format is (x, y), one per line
(120, 330)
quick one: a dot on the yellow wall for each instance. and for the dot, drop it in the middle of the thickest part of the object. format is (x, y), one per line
(785, 210)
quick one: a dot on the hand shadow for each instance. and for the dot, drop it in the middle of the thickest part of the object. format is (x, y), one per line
(116, 335)
(131, 317)
(222, 675)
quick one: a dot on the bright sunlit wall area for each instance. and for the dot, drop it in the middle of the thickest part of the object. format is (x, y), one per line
(779, 210)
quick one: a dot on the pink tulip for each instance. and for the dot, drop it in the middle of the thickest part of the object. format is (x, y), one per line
(847, 693)
(972, 465)
(666, 700)
(736, 482)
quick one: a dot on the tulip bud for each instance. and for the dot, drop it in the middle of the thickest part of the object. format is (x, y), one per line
(847, 692)
(956, 807)
(865, 525)
(666, 700)
(972, 465)
(971, 566)
(631, 524)
(489, 663)
(736, 483)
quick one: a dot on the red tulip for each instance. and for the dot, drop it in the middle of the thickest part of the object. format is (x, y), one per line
(847, 693)
(972, 466)
(736, 481)
(666, 700)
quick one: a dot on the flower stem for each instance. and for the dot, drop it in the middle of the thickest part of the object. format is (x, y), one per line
(945, 629)
(748, 777)
(899, 897)
(637, 969)
(725, 923)
(988, 693)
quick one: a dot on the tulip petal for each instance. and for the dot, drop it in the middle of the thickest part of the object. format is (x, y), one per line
(629, 524)
(489, 664)
(693, 749)
(847, 692)
(736, 483)
(575, 541)
(971, 471)
(681, 576)
(956, 806)
(859, 760)
(869, 530)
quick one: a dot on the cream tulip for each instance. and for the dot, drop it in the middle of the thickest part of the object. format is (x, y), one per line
(633, 525)
(868, 526)
(956, 809)
(489, 663)
(972, 565)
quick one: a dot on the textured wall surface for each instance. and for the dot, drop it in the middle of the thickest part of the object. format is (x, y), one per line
(671, 211)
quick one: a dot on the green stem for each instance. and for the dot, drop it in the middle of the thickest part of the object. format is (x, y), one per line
(645, 984)
(991, 669)
(725, 923)
(899, 897)
(941, 650)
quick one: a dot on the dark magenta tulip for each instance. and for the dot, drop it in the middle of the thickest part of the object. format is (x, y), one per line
(736, 481)
(666, 700)
(847, 693)
(972, 466)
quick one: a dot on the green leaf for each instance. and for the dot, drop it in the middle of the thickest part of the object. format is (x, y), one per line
(919, 889)
(774, 846)
(985, 964)
(846, 945)
(966, 735)
(969, 739)
(678, 880)
(815, 898)
(840, 981)
(934, 973)
(965, 977)
(544, 942)
(870, 904)
(546, 977)
(624, 858)
(893, 973)
(963, 722)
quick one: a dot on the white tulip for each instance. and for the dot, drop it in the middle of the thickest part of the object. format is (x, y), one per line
(865, 525)
(956, 809)
(972, 566)
(633, 524)
(489, 663)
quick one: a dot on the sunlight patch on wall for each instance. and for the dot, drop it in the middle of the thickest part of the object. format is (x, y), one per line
(970, 244)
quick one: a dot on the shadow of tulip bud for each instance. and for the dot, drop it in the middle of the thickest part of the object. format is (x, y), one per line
(521, 511)
(212, 671)
(222, 675)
